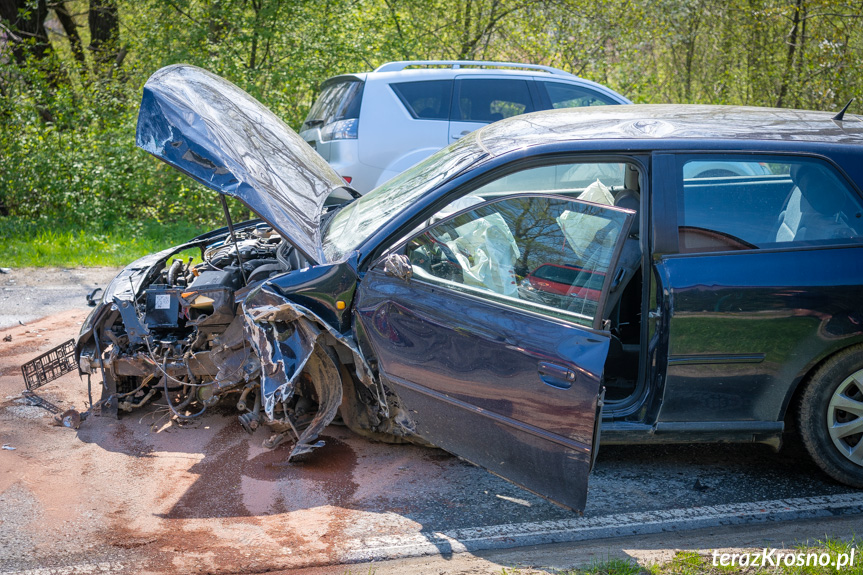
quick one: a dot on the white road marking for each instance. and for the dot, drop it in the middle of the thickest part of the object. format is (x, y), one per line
(585, 528)
(80, 569)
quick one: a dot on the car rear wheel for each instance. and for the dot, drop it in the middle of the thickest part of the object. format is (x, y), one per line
(831, 417)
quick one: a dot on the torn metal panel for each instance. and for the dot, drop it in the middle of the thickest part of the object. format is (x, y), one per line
(286, 335)
(284, 342)
(322, 368)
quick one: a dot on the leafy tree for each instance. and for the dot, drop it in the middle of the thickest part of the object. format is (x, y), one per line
(71, 71)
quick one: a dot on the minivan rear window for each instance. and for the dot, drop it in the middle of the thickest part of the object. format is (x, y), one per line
(568, 96)
(428, 100)
(339, 100)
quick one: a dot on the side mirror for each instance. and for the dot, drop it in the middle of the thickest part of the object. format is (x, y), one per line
(398, 265)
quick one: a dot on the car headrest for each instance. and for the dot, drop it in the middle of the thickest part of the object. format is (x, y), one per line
(819, 187)
(630, 200)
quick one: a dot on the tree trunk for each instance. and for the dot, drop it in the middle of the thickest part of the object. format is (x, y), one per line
(789, 58)
(29, 42)
(71, 30)
(104, 23)
(27, 23)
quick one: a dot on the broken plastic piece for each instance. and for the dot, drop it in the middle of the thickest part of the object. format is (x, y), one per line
(37, 401)
(91, 297)
(50, 365)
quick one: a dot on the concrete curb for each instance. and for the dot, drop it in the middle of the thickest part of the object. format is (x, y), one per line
(587, 528)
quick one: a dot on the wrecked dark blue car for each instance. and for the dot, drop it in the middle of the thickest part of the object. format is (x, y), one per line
(504, 297)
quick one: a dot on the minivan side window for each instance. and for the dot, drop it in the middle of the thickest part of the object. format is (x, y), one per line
(490, 100)
(563, 95)
(756, 202)
(426, 100)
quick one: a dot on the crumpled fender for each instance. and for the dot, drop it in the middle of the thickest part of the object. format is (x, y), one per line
(286, 337)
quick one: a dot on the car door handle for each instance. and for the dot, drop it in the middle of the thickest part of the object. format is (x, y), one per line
(459, 136)
(556, 375)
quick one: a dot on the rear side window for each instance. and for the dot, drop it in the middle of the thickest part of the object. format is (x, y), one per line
(339, 100)
(568, 96)
(570, 179)
(490, 100)
(748, 202)
(429, 100)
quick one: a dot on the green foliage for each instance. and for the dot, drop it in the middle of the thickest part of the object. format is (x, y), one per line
(67, 125)
(68, 244)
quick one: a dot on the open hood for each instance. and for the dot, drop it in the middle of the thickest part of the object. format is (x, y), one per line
(218, 134)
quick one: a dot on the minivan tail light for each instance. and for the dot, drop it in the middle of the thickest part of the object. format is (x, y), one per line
(341, 130)
(347, 179)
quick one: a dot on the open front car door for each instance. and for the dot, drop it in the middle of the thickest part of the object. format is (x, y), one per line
(486, 325)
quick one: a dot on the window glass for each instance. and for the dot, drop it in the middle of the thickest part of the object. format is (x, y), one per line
(746, 202)
(544, 254)
(428, 100)
(490, 100)
(570, 179)
(338, 101)
(569, 96)
(356, 222)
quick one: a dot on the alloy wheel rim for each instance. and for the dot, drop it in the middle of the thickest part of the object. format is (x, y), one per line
(845, 417)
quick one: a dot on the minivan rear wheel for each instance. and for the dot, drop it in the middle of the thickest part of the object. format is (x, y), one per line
(830, 417)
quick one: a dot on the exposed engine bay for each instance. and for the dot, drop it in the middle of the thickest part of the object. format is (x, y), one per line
(196, 335)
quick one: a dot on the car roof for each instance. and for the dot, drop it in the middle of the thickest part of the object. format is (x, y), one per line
(446, 73)
(446, 69)
(650, 122)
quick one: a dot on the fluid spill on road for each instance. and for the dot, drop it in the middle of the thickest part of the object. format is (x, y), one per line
(330, 467)
(218, 490)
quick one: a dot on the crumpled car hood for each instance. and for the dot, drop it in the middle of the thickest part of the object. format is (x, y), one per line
(218, 134)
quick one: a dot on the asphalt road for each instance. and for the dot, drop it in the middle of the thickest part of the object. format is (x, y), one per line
(28, 294)
(396, 494)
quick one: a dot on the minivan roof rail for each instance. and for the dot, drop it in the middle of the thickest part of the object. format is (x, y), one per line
(455, 64)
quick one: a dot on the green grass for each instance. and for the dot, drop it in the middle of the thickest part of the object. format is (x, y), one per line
(692, 563)
(67, 244)
(701, 563)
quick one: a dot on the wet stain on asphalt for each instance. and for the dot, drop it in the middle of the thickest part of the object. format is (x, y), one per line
(218, 490)
(330, 467)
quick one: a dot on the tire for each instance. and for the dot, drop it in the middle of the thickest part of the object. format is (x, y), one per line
(829, 433)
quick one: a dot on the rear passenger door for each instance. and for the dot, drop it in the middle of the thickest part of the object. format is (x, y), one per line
(481, 101)
(763, 280)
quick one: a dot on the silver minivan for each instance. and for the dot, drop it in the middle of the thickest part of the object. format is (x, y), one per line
(374, 125)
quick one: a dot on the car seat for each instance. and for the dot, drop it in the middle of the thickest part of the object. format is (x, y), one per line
(812, 210)
(630, 255)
